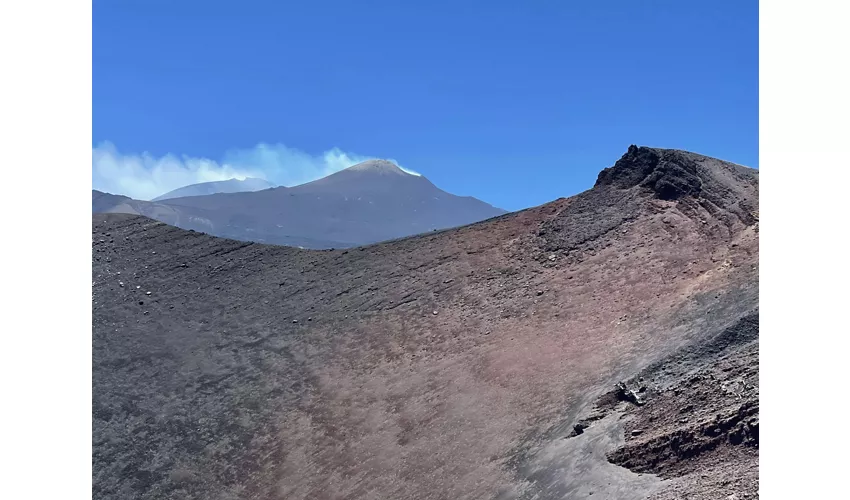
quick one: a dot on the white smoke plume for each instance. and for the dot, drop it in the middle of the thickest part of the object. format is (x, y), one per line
(143, 176)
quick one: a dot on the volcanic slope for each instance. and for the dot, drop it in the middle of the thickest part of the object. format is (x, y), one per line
(366, 203)
(452, 365)
(103, 202)
(246, 185)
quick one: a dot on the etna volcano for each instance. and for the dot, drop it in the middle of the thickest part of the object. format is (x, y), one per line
(369, 202)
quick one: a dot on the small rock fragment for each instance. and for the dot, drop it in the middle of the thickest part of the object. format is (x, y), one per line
(637, 432)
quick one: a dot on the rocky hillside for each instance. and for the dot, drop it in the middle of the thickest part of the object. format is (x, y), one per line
(604, 344)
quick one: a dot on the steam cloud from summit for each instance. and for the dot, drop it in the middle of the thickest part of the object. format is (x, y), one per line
(144, 176)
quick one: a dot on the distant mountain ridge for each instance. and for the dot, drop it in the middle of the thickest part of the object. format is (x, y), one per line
(249, 184)
(105, 202)
(369, 202)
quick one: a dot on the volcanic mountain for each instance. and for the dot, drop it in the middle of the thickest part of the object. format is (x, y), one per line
(366, 203)
(248, 184)
(104, 202)
(604, 344)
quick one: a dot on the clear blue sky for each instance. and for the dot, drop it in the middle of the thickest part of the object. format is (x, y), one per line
(514, 102)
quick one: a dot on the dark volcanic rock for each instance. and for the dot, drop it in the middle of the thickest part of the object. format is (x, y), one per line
(631, 169)
(669, 174)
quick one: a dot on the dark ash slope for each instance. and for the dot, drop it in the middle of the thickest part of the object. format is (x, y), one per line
(448, 365)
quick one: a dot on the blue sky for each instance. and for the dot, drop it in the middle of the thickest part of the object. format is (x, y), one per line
(514, 102)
